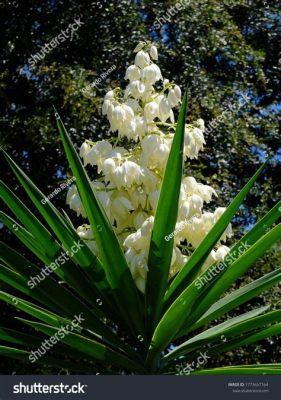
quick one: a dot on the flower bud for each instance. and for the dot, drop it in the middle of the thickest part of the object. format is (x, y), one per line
(177, 92)
(84, 149)
(201, 124)
(153, 52)
(139, 47)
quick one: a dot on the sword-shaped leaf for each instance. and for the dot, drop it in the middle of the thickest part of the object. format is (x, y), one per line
(161, 250)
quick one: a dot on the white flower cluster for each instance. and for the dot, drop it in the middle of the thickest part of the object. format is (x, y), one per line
(131, 167)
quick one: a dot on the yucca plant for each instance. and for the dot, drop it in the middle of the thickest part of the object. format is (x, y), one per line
(160, 331)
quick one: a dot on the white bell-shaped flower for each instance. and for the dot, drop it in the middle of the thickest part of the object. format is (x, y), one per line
(109, 95)
(184, 210)
(127, 174)
(195, 204)
(194, 142)
(75, 204)
(135, 89)
(119, 114)
(138, 218)
(149, 75)
(142, 59)
(153, 198)
(138, 198)
(121, 205)
(172, 98)
(178, 261)
(141, 127)
(221, 252)
(71, 192)
(107, 107)
(151, 111)
(133, 73)
(134, 104)
(85, 232)
(148, 179)
(201, 124)
(164, 109)
(98, 153)
(205, 192)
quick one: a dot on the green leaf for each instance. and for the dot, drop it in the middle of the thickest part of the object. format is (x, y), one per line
(232, 327)
(23, 235)
(49, 250)
(34, 310)
(67, 303)
(274, 330)
(198, 257)
(16, 281)
(98, 351)
(112, 256)
(239, 247)
(66, 269)
(238, 297)
(182, 308)
(160, 251)
(64, 232)
(234, 271)
(31, 223)
(51, 318)
(68, 236)
(35, 342)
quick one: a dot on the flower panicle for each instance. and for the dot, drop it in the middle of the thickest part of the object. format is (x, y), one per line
(142, 116)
